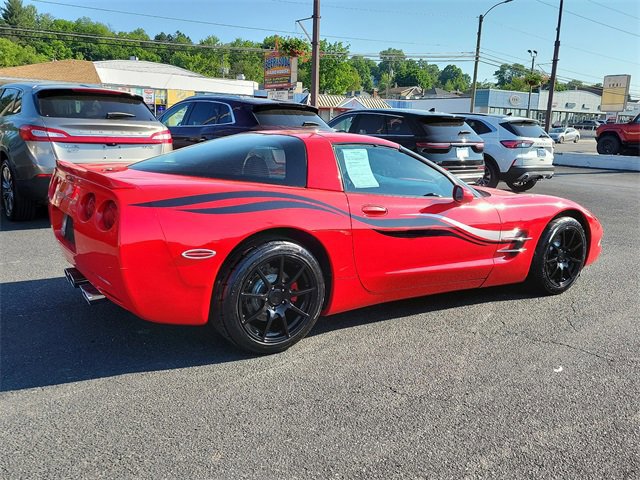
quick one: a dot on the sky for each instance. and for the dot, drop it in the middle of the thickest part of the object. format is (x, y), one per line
(598, 37)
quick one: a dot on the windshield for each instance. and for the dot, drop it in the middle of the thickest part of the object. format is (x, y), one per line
(556, 130)
(70, 103)
(289, 117)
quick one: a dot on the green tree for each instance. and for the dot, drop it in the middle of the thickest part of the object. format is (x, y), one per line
(337, 76)
(15, 14)
(507, 72)
(366, 69)
(14, 54)
(451, 78)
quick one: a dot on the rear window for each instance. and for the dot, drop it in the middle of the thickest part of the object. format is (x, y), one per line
(443, 125)
(524, 129)
(92, 105)
(285, 117)
(274, 159)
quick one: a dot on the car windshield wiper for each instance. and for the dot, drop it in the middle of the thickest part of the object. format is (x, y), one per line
(119, 115)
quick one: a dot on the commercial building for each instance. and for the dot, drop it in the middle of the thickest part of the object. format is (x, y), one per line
(159, 84)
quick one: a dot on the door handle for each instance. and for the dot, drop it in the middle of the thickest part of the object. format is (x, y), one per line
(197, 139)
(374, 210)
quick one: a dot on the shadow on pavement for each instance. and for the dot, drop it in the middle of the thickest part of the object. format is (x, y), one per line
(49, 336)
(41, 221)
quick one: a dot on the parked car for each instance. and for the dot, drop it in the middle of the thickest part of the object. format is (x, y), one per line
(215, 233)
(205, 117)
(516, 150)
(587, 124)
(441, 137)
(615, 138)
(41, 122)
(564, 134)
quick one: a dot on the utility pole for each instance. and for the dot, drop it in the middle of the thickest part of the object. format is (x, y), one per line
(552, 86)
(315, 54)
(533, 54)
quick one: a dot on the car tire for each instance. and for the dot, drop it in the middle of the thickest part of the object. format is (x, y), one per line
(270, 298)
(608, 145)
(576, 139)
(491, 175)
(521, 186)
(559, 257)
(560, 139)
(15, 206)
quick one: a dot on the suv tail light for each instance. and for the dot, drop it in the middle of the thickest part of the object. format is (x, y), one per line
(516, 143)
(33, 133)
(434, 147)
(162, 137)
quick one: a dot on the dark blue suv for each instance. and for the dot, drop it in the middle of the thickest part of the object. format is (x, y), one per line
(205, 117)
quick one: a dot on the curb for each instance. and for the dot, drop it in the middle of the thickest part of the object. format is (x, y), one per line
(589, 160)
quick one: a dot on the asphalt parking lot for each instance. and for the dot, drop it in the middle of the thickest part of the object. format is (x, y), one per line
(489, 383)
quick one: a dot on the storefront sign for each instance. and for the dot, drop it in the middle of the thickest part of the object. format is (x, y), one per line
(280, 72)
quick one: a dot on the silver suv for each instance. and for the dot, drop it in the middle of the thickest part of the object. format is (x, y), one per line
(516, 150)
(43, 122)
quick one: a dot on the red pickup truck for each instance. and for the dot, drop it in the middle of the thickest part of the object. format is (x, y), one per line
(615, 138)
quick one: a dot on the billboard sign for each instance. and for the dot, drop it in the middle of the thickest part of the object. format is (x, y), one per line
(615, 91)
(280, 71)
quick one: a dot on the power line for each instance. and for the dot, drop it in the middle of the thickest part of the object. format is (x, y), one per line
(614, 10)
(225, 25)
(590, 19)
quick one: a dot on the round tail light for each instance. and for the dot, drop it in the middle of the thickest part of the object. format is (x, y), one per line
(87, 207)
(108, 215)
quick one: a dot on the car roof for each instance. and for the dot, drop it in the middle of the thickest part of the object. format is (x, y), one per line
(404, 111)
(500, 116)
(38, 86)
(253, 101)
(333, 137)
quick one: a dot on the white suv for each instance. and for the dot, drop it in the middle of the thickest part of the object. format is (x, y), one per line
(516, 150)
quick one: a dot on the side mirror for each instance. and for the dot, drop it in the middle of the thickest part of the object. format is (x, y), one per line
(461, 194)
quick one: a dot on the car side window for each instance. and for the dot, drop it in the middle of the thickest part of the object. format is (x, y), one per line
(380, 170)
(478, 126)
(209, 113)
(398, 126)
(371, 124)
(344, 125)
(6, 101)
(175, 118)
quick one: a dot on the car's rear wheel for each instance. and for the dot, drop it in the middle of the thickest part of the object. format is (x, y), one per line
(521, 186)
(608, 145)
(491, 175)
(560, 139)
(559, 256)
(576, 139)
(15, 206)
(271, 297)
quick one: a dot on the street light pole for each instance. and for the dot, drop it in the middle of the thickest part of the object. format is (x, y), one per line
(477, 56)
(533, 54)
(552, 80)
(315, 54)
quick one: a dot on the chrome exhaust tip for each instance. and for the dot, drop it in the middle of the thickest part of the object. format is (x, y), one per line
(91, 294)
(74, 277)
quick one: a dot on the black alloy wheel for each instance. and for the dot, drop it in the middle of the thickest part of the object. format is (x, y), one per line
(608, 145)
(14, 205)
(559, 256)
(272, 298)
(491, 175)
(521, 186)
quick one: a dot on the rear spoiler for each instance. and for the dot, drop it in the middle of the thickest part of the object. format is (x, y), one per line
(287, 105)
(95, 173)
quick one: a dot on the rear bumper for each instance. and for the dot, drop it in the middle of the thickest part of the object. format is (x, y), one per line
(525, 173)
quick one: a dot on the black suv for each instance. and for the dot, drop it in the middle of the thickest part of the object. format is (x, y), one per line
(443, 138)
(205, 117)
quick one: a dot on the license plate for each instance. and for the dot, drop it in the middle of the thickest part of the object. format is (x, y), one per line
(542, 153)
(462, 153)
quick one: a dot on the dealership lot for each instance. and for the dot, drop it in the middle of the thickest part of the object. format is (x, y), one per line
(491, 383)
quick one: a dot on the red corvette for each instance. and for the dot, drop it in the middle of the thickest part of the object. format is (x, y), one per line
(261, 233)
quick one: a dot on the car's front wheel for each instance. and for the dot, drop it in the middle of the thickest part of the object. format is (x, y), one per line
(521, 186)
(576, 139)
(608, 145)
(560, 139)
(270, 298)
(15, 206)
(559, 256)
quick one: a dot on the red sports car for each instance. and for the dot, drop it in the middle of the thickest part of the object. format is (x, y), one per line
(261, 233)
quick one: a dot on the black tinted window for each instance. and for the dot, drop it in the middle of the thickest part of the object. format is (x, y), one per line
(372, 124)
(285, 117)
(478, 126)
(276, 159)
(209, 113)
(93, 105)
(388, 171)
(398, 126)
(445, 126)
(344, 123)
(524, 129)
